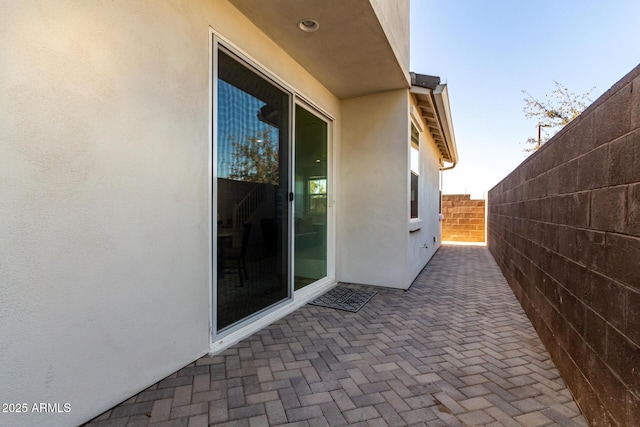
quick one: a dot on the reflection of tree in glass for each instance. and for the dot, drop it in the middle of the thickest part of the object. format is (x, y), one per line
(255, 159)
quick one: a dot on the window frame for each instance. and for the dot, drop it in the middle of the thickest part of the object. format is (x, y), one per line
(414, 175)
(316, 195)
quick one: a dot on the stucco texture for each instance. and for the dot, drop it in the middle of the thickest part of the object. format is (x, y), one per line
(104, 169)
(373, 210)
(104, 207)
(423, 242)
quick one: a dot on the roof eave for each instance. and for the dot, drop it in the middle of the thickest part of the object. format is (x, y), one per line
(433, 102)
(441, 95)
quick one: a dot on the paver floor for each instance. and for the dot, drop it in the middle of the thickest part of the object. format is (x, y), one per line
(456, 349)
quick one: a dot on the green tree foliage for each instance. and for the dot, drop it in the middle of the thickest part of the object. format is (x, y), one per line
(256, 159)
(556, 111)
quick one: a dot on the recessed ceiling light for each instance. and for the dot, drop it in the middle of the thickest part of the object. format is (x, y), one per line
(308, 25)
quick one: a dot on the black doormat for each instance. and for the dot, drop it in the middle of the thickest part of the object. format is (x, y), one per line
(343, 298)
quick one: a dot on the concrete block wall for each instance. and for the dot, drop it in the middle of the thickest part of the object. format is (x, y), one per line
(564, 228)
(464, 219)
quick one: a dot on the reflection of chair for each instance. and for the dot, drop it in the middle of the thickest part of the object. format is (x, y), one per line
(237, 255)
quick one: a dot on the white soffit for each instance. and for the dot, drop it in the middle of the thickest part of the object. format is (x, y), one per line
(434, 109)
(350, 53)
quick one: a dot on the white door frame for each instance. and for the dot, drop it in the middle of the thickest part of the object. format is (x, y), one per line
(250, 325)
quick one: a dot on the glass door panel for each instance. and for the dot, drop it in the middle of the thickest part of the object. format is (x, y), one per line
(310, 202)
(252, 192)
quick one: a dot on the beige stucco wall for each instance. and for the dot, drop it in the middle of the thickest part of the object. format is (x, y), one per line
(425, 241)
(104, 168)
(394, 17)
(372, 204)
(104, 209)
(376, 243)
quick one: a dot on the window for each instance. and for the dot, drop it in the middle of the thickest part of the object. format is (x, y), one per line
(317, 195)
(415, 170)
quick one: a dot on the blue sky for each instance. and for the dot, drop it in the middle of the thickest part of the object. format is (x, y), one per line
(489, 51)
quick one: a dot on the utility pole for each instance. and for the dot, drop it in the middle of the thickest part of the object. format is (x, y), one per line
(540, 125)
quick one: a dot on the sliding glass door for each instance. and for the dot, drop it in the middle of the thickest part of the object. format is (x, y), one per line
(270, 190)
(252, 192)
(310, 189)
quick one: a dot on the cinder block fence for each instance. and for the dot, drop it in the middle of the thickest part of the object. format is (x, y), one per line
(464, 219)
(564, 228)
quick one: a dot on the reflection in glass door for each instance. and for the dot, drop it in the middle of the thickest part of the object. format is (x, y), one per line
(310, 206)
(252, 192)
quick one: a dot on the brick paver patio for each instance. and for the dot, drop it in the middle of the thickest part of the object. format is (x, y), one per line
(454, 350)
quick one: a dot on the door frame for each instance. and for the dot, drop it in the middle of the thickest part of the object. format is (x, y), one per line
(251, 324)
